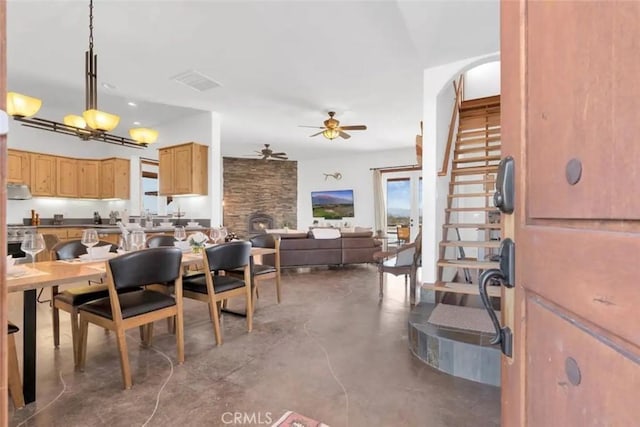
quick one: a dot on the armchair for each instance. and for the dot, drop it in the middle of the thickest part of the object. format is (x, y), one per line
(403, 261)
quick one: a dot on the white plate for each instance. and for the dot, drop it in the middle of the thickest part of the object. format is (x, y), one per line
(86, 257)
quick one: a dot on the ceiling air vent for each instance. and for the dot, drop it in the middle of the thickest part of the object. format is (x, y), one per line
(196, 80)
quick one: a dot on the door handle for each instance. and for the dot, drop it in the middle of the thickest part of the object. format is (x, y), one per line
(503, 198)
(504, 276)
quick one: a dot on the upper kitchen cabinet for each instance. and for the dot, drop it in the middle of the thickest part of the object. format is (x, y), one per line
(89, 179)
(66, 177)
(114, 179)
(18, 167)
(43, 175)
(183, 169)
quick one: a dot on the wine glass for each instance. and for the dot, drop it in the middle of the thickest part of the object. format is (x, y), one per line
(138, 240)
(32, 244)
(223, 233)
(90, 239)
(215, 235)
(179, 233)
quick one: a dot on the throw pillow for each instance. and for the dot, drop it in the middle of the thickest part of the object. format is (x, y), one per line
(325, 233)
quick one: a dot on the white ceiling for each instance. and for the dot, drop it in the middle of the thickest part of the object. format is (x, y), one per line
(280, 63)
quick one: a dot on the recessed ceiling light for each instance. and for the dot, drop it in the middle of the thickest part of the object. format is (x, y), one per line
(108, 86)
(132, 104)
(137, 123)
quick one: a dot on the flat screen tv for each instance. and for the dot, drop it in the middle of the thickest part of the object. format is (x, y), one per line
(332, 204)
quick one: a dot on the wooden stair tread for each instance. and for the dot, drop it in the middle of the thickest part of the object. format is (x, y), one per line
(473, 170)
(485, 133)
(461, 288)
(472, 225)
(481, 112)
(471, 243)
(480, 102)
(459, 195)
(478, 209)
(497, 147)
(475, 265)
(473, 182)
(477, 159)
(494, 140)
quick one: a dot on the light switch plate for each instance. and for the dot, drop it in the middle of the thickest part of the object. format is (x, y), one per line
(4, 123)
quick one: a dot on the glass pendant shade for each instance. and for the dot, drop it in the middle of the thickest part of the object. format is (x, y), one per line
(75, 121)
(331, 134)
(143, 135)
(21, 105)
(99, 120)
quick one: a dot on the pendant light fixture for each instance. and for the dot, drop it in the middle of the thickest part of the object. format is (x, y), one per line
(93, 124)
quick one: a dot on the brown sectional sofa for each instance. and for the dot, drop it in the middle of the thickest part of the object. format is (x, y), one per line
(302, 250)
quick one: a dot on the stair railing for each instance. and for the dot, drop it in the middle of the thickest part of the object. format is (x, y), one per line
(459, 89)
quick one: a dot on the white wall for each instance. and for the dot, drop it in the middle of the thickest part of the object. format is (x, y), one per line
(482, 81)
(356, 174)
(203, 128)
(437, 107)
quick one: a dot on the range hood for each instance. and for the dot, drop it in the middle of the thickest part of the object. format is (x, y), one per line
(18, 192)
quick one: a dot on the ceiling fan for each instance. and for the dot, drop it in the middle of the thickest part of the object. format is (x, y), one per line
(267, 153)
(332, 128)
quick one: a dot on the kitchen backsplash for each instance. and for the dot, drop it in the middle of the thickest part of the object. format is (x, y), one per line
(70, 208)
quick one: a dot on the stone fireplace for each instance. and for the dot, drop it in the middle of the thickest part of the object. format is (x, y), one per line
(259, 194)
(258, 222)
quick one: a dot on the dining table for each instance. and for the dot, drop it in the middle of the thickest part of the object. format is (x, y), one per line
(46, 274)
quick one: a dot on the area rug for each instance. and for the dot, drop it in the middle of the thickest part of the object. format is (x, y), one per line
(467, 318)
(293, 419)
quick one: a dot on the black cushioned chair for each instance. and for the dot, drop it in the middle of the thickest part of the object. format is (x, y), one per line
(262, 271)
(69, 299)
(14, 382)
(140, 307)
(160, 241)
(212, 288)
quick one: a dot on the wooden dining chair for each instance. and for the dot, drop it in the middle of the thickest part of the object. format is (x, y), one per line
(213, 288)
(160, 241)
(140, 307)
(70, 299)
(261, 271)
(14, 382)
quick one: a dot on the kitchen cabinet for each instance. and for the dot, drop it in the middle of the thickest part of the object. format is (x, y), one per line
(66, 177)
(43, 175)
(18, 167)
(114, 179)
(89, 179)
(183, 169)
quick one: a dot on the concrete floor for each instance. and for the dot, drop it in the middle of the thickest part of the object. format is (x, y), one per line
(330, 351)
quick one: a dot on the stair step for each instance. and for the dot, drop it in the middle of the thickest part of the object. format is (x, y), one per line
(487, 101)
(491, 132)
(477, 159)
(495, 140)
(472, 225)
(489, 111)
(474, 170)
(482, 122)
(482, 149)
(474, 265)
(473, 182)
(461, 288)
(471, 243)
(459, 195)
(472, 210)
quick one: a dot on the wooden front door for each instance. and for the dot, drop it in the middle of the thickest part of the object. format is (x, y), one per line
(571, 120)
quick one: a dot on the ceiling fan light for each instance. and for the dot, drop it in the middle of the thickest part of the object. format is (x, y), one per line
(331, 134)
(75, 121)
(143, 135)
(19, 105)
(99, 120)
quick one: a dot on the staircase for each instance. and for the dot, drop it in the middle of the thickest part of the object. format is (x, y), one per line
(471, 231)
